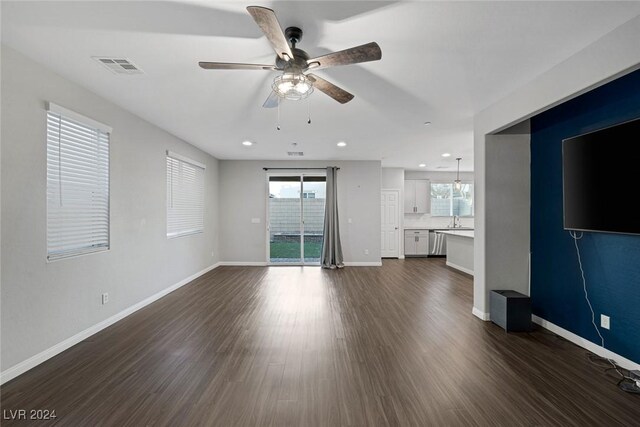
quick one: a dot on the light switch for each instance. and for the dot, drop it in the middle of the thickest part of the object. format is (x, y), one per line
(349, 220)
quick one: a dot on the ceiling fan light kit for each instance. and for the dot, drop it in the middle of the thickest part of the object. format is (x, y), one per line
(293, 87)
(293, 84)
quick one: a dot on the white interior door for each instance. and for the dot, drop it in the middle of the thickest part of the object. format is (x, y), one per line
(390, 233)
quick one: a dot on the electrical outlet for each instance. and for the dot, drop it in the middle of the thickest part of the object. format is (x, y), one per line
(211, 253)
(105, 298)
(366, 251)
(605, 321)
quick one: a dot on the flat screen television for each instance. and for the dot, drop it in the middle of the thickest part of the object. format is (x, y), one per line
(601, 180)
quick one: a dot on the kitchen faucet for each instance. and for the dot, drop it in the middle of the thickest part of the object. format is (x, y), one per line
(456, 222)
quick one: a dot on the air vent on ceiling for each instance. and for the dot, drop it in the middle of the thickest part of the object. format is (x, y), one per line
(118, 65)
(295, 153)
(442, 167)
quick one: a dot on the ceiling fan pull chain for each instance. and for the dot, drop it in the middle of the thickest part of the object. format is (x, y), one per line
(278, 122)
(309, 110)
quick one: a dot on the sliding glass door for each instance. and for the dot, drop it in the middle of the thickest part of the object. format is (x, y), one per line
(313, 198)
(285, 219)
(296, 218)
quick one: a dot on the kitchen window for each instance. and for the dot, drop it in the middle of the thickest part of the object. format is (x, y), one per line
(446, 200)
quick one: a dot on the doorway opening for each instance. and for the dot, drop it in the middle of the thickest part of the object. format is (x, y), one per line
(295, 209)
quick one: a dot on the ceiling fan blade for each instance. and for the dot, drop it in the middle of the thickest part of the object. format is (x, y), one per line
(232, 66)
(340, 95)
(365, 53)
(272, 100)
(268, 23)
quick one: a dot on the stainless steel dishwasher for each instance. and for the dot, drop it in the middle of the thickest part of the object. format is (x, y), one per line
(437, 243)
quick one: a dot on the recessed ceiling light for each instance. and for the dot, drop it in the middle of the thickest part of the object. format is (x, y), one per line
(427, 123)
(422, 165)
(341, 144)
(247, 143)
(446, 154)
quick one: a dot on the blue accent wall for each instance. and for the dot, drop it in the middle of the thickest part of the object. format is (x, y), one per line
(611, 261)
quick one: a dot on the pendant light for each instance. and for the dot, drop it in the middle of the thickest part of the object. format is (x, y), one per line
(457, 183)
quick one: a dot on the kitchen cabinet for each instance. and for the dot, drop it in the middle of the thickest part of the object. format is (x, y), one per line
(416, 242)
(460, 249)
(416, 196)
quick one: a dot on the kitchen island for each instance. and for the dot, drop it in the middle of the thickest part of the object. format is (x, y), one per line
(460, 250)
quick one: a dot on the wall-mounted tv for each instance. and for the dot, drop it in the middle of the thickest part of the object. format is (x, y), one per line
(601, 180)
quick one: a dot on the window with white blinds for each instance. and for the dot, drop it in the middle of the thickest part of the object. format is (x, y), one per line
(77, 184)
(185, 196)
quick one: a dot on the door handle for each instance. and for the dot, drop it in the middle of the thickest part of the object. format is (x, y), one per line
(395, 228)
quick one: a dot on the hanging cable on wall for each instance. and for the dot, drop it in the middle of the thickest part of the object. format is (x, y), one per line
(627, 382)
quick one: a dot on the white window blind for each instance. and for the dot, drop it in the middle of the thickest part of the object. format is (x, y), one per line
(185, 196)
(77, 184)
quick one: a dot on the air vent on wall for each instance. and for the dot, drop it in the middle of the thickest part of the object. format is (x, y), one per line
(118, 65)
(295, 153)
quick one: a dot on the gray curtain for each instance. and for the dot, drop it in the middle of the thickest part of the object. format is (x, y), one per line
(331, 247)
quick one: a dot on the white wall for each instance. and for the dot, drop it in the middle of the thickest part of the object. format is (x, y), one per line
(393, 179)
(243, 197)
(508, 196)
(46, 303)
(616, 53)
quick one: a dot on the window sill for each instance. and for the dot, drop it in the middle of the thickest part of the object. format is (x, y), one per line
(189, 233)
(54, 258)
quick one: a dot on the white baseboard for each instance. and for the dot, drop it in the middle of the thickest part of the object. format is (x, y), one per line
(262, 264)
(244, 263)
(363, 264)
(482, 315)
(37, 359)
(586, 344)
(401, 257)
(458, 267)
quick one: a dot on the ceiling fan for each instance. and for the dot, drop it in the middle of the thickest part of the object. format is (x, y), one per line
(293, 83)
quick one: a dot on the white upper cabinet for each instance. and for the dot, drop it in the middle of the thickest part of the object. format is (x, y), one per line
(416, 196)
(409, 196)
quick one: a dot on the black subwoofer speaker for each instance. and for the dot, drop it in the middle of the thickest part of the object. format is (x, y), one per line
(510, 310)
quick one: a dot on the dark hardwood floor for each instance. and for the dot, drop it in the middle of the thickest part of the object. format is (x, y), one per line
(280, 346)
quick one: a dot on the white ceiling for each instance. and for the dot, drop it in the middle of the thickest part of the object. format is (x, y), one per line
(441, 62)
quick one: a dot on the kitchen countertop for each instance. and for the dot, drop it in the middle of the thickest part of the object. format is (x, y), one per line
(421, 227)
(459, 232)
